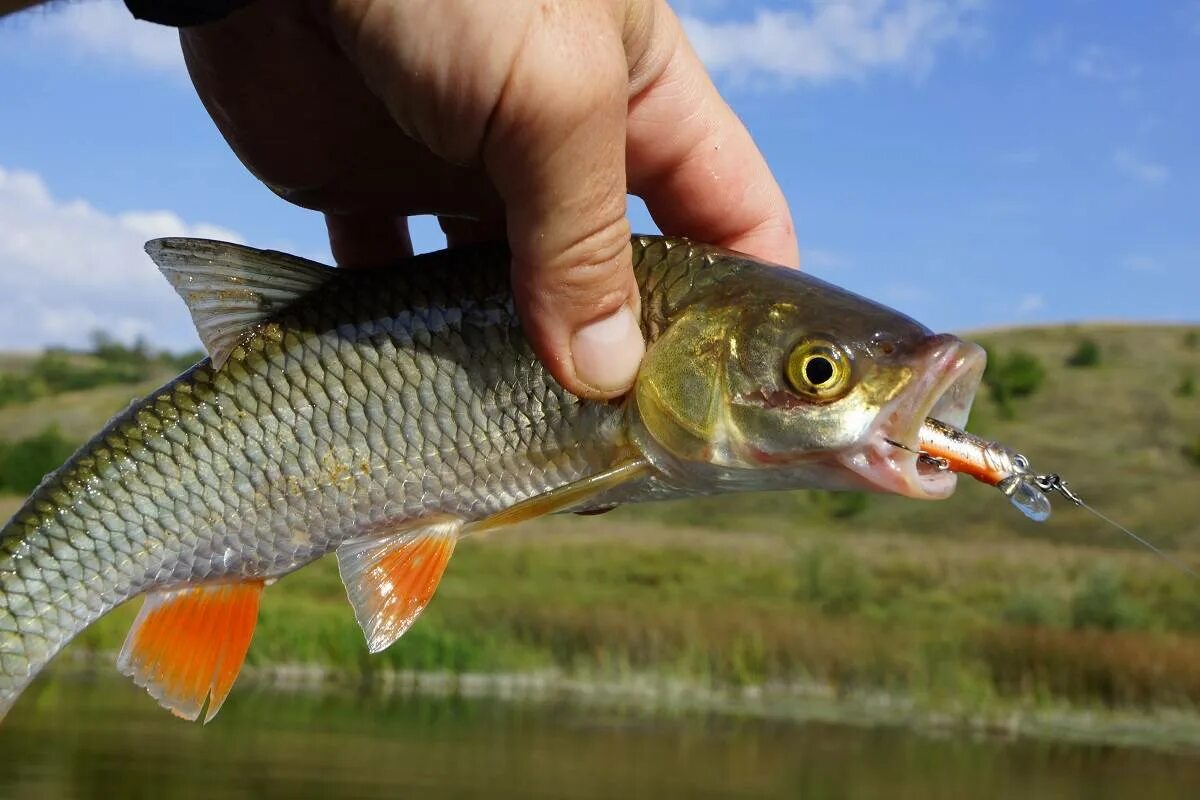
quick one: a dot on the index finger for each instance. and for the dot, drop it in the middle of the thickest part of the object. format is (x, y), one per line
(693, 161)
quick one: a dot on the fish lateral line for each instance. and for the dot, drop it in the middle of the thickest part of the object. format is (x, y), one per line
(945, 447)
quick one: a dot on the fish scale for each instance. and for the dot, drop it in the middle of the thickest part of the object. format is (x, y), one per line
(394, 395)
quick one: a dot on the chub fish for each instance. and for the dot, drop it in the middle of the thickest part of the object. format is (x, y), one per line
(382, 415)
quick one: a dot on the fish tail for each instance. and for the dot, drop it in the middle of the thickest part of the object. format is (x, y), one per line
(17, 666)
(32, 631)
(45, 600)
(20, 657)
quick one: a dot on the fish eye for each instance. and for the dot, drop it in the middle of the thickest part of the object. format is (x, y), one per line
(818, 369)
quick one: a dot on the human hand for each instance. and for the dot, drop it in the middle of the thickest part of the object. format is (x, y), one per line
(525, 119)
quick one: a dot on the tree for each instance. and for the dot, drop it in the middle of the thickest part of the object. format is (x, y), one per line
(24, 463)
(1019, 374)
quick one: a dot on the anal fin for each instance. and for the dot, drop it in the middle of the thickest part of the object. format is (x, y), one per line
(187, 645)
(391, 574)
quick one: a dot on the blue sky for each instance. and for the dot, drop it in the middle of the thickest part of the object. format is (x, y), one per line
(971, 163)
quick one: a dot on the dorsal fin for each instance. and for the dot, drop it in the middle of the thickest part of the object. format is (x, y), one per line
(231, 289)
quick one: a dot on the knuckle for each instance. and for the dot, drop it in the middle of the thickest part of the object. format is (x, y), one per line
(592, 272)
(569, 63)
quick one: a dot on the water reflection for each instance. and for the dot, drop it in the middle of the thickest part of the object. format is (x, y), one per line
(76, 738)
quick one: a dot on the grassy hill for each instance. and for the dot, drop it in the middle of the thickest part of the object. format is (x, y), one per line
(961, 606)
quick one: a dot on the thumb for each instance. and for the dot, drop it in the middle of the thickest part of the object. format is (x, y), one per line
(556, 153)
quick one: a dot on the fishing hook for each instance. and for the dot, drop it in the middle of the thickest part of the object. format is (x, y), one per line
(937, 462)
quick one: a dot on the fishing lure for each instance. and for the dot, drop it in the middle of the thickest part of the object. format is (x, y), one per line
(944, 447)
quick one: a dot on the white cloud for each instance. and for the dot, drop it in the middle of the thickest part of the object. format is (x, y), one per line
(1141, 263)
(1048, 46)
(1021, 156)
(1142, 170)
(105, 29)
(828, 40)
(1103, 64)
(1030, 303)
(1189, 17)
(67, 268)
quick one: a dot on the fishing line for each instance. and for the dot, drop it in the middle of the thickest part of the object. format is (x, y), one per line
(1011, 473)
(1051, 483)
(1170, 559)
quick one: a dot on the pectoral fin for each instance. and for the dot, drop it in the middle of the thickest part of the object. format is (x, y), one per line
(564, 497)
(391, 576)
(187, 645)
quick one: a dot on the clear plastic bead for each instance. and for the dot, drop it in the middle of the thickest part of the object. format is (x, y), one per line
(1023, 492)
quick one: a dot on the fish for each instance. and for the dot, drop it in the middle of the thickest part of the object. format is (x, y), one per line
(384, 415)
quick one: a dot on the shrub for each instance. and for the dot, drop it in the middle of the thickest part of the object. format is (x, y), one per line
(1186, 387)
(1019, 374)
(63, 371)
(1101, 603)
(841, 505)
(24, 463)
(834, 580)
(1193, 452)
(1126, 668)
(1031, 609)
(1191, 340)
(181, 361)
(109, 361)
(1086, 354)
(19, 389)
(111, 351)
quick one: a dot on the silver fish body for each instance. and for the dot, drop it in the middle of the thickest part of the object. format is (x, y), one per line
(396, 395)
(380, 397)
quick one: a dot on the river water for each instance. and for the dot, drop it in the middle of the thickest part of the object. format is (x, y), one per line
(102, 738)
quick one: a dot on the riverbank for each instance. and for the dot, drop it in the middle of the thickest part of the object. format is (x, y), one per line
(656, 696)
(652, 696)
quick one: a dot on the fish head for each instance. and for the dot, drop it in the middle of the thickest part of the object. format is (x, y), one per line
(763, 377)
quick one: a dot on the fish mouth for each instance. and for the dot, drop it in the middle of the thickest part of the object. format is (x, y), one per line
(948, 373)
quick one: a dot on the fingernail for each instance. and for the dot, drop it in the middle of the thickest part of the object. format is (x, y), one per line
(607, 352)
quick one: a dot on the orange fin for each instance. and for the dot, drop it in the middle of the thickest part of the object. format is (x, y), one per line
(187, 645)
(390, 579)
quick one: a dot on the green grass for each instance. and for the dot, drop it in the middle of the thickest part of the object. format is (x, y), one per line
(932, 619)
(77, 414)
(962, 604)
